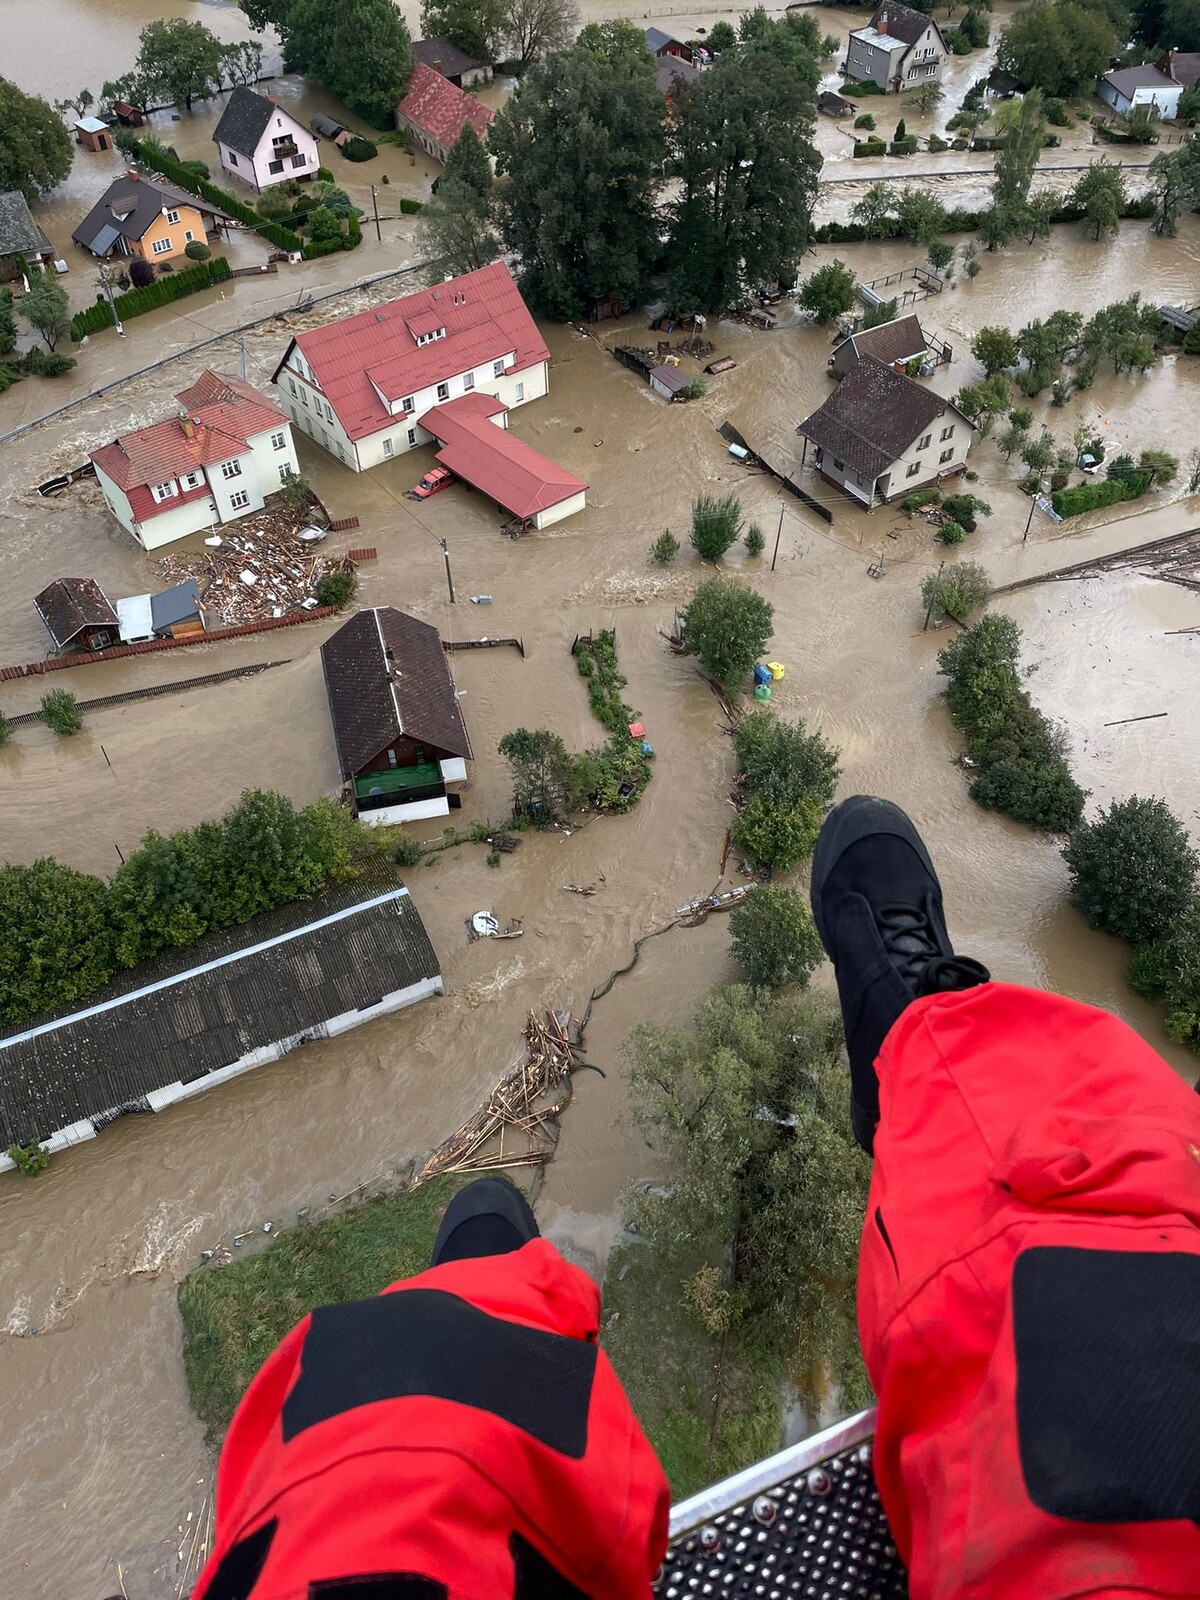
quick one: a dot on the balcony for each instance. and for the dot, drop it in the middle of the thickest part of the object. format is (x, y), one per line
(402, 794)
(282, 148)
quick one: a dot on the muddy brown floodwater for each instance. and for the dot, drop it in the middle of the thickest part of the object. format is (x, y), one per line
(100, 1457)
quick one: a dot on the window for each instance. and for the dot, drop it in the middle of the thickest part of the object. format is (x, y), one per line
(406, 405)
(298, 161)
(497, 369)
(924, 444)
(392, 758)
(233, 160)
(443, 391)
(164, 491)
(274, 166)
(388, 447)
(412, 436)
(193, 480)
(428, 338)
(240, 499)
(172, 216)
(161, 247)
(188, 237)
(304, 398)
(279, 441)
(231, 469)
(468, 381)
(838, 465)
(948, 433)
(913, 470)
(285, 472)
(291, 385)
(520, 394)
(947, 455)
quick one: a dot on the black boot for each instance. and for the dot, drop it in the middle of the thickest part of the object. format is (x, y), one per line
(878, 908)
(488, 1218)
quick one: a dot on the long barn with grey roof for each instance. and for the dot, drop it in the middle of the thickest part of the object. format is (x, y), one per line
(183, 1023)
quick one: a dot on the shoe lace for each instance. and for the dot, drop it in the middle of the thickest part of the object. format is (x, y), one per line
(909, 938)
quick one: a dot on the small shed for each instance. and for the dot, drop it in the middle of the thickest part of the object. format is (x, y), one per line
(92, 134)
(77, 614)
(835, 105)
(668, 381)
(328, 128)
(129, 116)
(174, 613)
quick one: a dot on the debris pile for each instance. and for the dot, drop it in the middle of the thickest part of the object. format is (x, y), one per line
(259, 567)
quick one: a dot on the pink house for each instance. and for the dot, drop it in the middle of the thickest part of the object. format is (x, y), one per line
(261, 144)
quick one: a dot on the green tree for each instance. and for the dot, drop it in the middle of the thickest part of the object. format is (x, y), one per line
(1175, 175)
(8, 327)
(828, 292)
(741, 144)
(774, 939)
(540, 766)
(665, 548)
(35, 147)
(783, 763)
(727, 626)
(1040, 454)
(958, 590)
(456, 231)
(537, 28)
(716, 524)
(323, 224)
(721, 38)
(874, 211)
(994, 349)
(1022, 129)
(1162, 463)
(983, 402)
(1133, 870)
(1169, 970)
(335, 588)
(179, 61)
(921, 215)
(1188, 109)
(1060, 49)
(359, 49)
(5, 729)
(580, 142)
(755, 540)
(468, 164)
(55, 944)
(60, 712)
(476, 26)
(928, 97)
(241, 63)
(1100, 194)
(941, 256)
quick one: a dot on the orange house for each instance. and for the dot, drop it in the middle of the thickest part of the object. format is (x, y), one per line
(147, 217)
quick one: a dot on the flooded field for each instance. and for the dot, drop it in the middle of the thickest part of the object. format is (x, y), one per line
(101, 1457)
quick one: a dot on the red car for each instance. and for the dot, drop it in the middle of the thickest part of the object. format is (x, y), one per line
(434, 481)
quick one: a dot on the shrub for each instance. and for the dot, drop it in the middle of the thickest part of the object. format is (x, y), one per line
(1133, 870)
(937, 145)
(60, 712)
(335, 588)
(1164, 466)
(867, 148)
(1169, 970)
(865, 121)
(965, 508)
(665, 548)
(295, 491)
(324, 175)
(409, 206)
(5, 729)
(141, 273)
(923, 497)
(324, 225)
(727, 626)
(39, 363)
(196, 250)
(952, 533)
(1056, 112)
(492, 859)
(958, 590)
(695, 390)
(716, 523)
(358, 149)
(755, 540)
(859, 91)
(773, 938)
(1044, 796)
(29, 1159)
(407, 849)
(903, 147)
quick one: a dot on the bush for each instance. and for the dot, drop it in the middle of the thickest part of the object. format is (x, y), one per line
(1133, 870)
(39, 363)
(903, 147)
(1042, 796)
(141, 273)
(773, 938)
(358, 149)
(755, 540)
(5, 729)
(614, 776)
(727, 626)
(324, 175)
(1056, 112)
(160, 293)
(695, 390)
(867, 148)
(665, 548)
(1164, 466)
(716, 523)
(958, 590)
(409, 206)
(60, 712)
(324, 226)
(923, 497)
(965, 508)
(1089, 496)
(865, 121)
(407, 849)
(29, 1159)
(937, 145)
(196, 250)
(1169, 970)
(859, 91)
(335, 588)
(952, 533)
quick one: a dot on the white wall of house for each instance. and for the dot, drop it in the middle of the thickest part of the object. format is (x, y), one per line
(564, 508)
(1163, 100)
(256, 170)
(942, 449)
(923, 63)
(274, 456)
(410, 811)
(883, 59)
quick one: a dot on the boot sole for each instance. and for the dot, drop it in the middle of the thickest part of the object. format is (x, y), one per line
(853, 819)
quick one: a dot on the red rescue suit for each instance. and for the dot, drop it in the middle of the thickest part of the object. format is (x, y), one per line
(1029, 1302)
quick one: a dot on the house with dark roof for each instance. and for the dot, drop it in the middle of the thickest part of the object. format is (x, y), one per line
(433, 112)
(196, 1017)
(672, 74)
(217, 459)
(261, 144)
(662, 43)
(455, 65)
(147, 217)
(77, 614)
(898, 49)
(20, 235)
(1148, 85)
(401, 741)
(895, 343)
(880, 436)
(1181, 66)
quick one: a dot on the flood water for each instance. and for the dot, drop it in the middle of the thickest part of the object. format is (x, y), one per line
(101, 1459)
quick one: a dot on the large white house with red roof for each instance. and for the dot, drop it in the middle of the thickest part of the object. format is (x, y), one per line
(444, 365)
(435, 111)
(218, 459)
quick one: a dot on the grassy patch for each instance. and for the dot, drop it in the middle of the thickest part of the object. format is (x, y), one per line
(234, 1316)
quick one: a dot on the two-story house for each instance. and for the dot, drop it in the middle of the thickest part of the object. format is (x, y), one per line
(880, 436)
(259, 143)
(898, 49)
(147, 217)
(434, 112)
(446, 364)
(227, 449)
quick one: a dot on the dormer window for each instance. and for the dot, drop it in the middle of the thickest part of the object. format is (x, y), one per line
(434, 333)
(164, 491)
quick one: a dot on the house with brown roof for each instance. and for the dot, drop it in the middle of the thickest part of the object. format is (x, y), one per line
(217, 459)
(462, 70)
(898, 49)
(895, 343)
(401, 741)
(1126, 87)
(1181, 66)
(880, 436)
(147, 217)
(434, 112)
(77, 614)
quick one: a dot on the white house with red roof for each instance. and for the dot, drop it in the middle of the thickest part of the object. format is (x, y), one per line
(435, 111)
(446, 364)
(218, 459)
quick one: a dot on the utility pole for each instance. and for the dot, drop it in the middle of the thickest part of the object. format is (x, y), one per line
(104, 279)
(778, 535)
(449, 579)
(242, 348)
(1033, 500)
(932, 598)
(375, 208)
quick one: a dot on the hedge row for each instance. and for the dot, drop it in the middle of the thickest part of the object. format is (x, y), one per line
(409, 206)
(159, 293)
(959, 220)
(869, 147)
(1088, 496)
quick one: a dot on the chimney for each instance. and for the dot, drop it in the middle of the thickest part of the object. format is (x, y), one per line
(186, 423)
(133, 175)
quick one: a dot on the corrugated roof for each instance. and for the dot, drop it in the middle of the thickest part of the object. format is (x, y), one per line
(179, 603)
(484, 317)
(439, 108)
(671, 378)
(898, 340)
(442, 56)
(873, 416)
(376, 698)
(245, 119)
(182, 1017)
(495, 461)
(68, 605)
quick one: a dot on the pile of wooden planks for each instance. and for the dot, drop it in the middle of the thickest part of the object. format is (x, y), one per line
(254, 572)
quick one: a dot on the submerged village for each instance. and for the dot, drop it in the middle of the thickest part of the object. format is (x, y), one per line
(479, 482)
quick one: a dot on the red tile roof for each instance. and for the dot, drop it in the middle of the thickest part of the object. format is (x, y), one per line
(484, 318)
(223, 414)
(435, 106)
(493, 460)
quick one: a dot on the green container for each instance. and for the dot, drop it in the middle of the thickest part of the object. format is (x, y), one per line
(762, 691)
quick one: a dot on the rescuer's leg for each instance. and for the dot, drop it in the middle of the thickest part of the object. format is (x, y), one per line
(487, 1218)
(878, 908)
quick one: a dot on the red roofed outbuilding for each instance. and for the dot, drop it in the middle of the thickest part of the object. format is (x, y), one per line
(434, 112)
(478, 448)
(227, 448)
